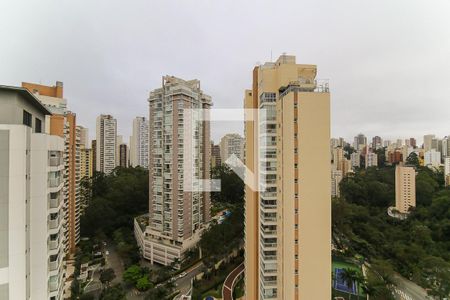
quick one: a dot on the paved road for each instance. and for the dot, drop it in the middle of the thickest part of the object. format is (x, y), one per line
(408, 290)
(184, 283)
(113, 261)
(228, 285)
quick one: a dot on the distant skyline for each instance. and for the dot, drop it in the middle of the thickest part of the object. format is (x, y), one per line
(387, 61)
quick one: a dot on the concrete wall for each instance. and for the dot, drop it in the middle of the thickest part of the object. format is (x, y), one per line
(4, 196)
(12, 109)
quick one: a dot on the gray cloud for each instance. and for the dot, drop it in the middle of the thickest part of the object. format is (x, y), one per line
(387, 61)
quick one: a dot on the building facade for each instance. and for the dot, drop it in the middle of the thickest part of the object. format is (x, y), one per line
(139, 143)
(31, 200)
(179, 160)
(371, 160)
(405, 188)
(106, 144)
(123, 155)
(360, 142)
(447, 171)
(336, 178)
(63, 123)
(230, 144)
(432, 159)
(216, 160)
(287, 148)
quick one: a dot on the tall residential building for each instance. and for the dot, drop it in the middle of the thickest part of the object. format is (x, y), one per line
(63, 123)
(106, 143)
(355, 158)
(123, 155)
(231, 143)
(84, 137)
(432, 158)
(338, 158)
(447, 171)
(139, 143)
(179, 161)
(336, 178)
(94, 156)
(86, 162)
(377, 142)
(216, 160)
(371, 160)
(360, 141)
(446, 147)
(395, 156)
(412, 142)
(428, 141)
(405, 188)
(31, 200)
(287, 218)
(119, 141)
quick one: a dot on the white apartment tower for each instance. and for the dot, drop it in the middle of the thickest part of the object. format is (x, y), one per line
(231, 143)
(139, 143)
(31, 200)
(447, 171)
(106, 144)
(371, 160)
(179, 157)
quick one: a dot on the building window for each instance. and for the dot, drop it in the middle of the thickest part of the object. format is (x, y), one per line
(27, 119)
(37, 125)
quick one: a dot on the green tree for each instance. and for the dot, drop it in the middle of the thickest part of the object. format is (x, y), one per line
(143, 283)
(232, 187)
(413, 160)
(157, 293)
(113, 293)
(132, 274)
(350, 277)
(437, 274)
(107, 276)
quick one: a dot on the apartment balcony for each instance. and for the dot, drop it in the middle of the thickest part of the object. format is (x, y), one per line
(54, 182)
(268, 283)
(55, 161)
(53, 265)
(54, 202)
(267, 195)
(53, 244)
(53, 223)
(269, 245)
(53, 283)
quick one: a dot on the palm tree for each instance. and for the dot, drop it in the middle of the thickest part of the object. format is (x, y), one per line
(350, 277)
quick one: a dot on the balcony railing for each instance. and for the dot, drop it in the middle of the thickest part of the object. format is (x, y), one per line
(53, 265)
(54, 203)
(53, 283)
(53, 224)
(53, 244)
(55, 161)
(54, 182)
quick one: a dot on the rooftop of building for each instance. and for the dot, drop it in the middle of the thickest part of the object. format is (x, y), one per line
(27, 95)
(45, 90)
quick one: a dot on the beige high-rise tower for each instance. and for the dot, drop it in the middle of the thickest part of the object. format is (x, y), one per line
(405, 188)
(179, 157)
(288, 221)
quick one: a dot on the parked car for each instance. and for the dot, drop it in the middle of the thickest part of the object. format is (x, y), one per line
(182, 274)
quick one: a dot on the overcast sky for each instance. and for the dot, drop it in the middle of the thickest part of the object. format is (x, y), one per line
(388, 62)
